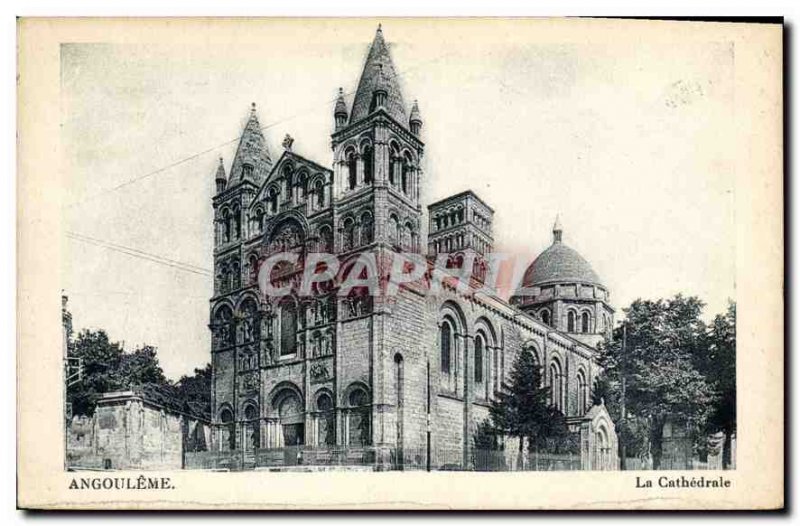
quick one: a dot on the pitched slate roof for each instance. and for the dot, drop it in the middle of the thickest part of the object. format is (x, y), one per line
(379, 71)
(252, 150)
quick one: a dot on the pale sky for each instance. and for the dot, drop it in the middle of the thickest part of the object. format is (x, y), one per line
(628, 140)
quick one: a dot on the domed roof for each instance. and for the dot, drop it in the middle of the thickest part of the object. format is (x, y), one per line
(559, 264)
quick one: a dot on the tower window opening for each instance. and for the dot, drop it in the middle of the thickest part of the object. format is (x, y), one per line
(368, 165)
(445, 344)
(351, 172)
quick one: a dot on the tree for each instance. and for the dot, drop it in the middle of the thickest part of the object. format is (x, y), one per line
(141, 367)
(663, 340)
(718, 364)
(196, 389)
(522, 409)
(100, 359)
(107, 368)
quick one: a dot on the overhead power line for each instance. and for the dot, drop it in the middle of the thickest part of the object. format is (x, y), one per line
(141, 254)
(214, 148)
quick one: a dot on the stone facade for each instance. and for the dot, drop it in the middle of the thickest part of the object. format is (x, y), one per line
(360, 371)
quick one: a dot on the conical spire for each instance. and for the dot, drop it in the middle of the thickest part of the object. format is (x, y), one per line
(341, 106)
(220, 179)
(340, 111)
(378, 75)
(415, 117)
(557, 230)
(221, 176)
(252, 153)
(415, 120)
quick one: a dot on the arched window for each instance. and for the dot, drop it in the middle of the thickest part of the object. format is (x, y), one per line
(395, 163)
(368, 165)
(227, 431)
(237, 222)
(288, 327)
(366, 229)
(348, 234)
(556, 386)
(393, 230)
(405, 181)
(259, 220)
(226, 222)
(288, 182)
(445, 346)
(585, 322)
(326, 422)
(325, 239)
(545, 315)
(352, 173)
(405, 242)
(272, 199)
(359, 433)
(571, 321)
(479, 357)
(302, 185)
(319, 192)
(583, 392)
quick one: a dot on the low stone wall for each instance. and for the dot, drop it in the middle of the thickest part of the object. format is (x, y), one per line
(129, 432)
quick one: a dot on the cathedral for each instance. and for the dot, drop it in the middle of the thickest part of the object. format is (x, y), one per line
(400, 380)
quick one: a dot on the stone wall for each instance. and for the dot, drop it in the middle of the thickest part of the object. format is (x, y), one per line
(128, 432)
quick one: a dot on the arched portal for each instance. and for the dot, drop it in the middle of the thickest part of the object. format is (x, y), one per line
(291, 418)
(358, 420)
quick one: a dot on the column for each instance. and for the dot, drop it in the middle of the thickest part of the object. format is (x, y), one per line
(468, 396)
(359, 170)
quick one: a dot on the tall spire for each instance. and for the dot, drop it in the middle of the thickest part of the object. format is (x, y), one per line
(557, 230)
(379, 75)
(252, 160)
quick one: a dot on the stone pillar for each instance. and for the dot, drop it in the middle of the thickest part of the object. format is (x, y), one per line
(567, 391)
(359, 170)
(469, 387)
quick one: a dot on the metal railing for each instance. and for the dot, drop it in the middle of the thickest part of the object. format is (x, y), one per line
(442, 459)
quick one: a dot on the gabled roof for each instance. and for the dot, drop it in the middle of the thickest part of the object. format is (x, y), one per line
(379, 72)
(252, 150)
(273, 173)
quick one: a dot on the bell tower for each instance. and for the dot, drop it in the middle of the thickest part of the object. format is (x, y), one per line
(377, 153)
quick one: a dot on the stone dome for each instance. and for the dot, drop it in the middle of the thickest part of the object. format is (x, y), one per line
(559, 264)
